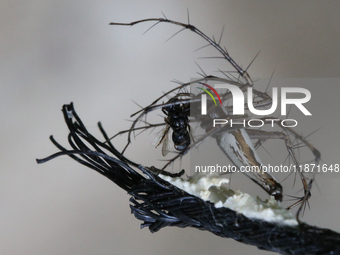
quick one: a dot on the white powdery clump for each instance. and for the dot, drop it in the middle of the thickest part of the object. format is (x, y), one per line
(214, 189)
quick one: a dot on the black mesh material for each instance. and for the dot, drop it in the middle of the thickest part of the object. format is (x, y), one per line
(159, 204)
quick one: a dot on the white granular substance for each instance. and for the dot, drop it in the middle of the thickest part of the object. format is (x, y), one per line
(214, 189)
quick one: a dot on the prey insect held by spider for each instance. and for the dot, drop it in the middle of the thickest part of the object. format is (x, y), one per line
(177, 120)
(235, 142)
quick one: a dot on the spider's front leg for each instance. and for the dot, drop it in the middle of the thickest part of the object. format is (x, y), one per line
(263, 136)
(238, 147)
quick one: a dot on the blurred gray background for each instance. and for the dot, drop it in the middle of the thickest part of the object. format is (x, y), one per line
(55, 52)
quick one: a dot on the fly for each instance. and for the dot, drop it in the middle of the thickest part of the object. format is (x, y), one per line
(177, 120)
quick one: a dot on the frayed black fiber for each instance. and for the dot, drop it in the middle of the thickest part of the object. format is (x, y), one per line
(159, 204)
